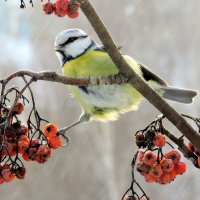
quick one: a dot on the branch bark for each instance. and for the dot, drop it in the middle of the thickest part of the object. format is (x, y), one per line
(134, 79)
(54, 77)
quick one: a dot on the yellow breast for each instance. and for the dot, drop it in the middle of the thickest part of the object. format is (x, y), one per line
(102, 102)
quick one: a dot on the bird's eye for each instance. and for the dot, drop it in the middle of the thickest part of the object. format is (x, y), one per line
(70, 40)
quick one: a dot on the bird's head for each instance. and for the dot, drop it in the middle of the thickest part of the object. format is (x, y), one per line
(72, 43)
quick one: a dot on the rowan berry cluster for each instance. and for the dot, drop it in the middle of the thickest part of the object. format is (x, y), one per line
(153, 164)
(160, 169)
(40, 150)
(19, 141)
(61, 8)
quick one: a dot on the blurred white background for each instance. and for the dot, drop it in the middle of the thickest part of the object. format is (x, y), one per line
(163, 35)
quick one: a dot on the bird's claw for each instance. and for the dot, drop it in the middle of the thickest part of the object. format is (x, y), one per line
(62, 132)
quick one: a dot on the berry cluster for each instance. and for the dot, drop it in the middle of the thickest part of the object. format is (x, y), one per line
(61, 8)
(20, 141)
(40, 150)
(155, 164)
(157, 167)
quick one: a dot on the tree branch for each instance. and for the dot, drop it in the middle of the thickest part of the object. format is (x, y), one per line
(134, 79)
(53, 77)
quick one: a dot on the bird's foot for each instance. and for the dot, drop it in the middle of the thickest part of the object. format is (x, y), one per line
(84, 118)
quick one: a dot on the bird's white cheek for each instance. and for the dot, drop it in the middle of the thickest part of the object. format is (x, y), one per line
(78, 47)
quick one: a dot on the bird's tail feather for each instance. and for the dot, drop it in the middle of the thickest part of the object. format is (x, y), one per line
(178, 94)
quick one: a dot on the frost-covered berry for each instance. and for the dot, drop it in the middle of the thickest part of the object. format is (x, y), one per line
(55, 142)
(180, 167)
(50, 130)
(156, 171)
(48, 8)
(167, 165)
(174, 155)
(61, 8)
(159, 140)
(142, 168)
(149, 178)
(149, 158)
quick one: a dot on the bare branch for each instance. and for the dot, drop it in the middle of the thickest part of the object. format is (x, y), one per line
(53, 77)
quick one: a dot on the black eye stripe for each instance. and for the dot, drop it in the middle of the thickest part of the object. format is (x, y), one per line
(71, 39)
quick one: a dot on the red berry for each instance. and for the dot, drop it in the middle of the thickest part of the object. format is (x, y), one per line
(173, 175)
(20, 172)
(142, 168)
(32, 153)
(8, 175)
(22, 146)
(159, 140)
(7, 150)
(22, 130)
(13, 152)
(24, 138)
(140, 154)
(61, 8)
(149, 178)
(50, 130)
(18, 108)
(156, 171)
(149, 158)
(35, 143)
(43, 153)
(73, 15)
(5, 166)
(48, 8)
(10, 133)
(55, 142)
(167, 165)
(140, 140)
(165, 178)
(174, 155)
(25, 156)
(73, 10)
(180, 167)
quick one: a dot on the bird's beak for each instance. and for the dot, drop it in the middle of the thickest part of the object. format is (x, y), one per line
(58, 48)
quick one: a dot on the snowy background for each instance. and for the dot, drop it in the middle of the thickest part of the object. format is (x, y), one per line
(163, 35)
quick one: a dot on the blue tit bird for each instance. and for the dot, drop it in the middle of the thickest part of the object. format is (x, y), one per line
(81, 56)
